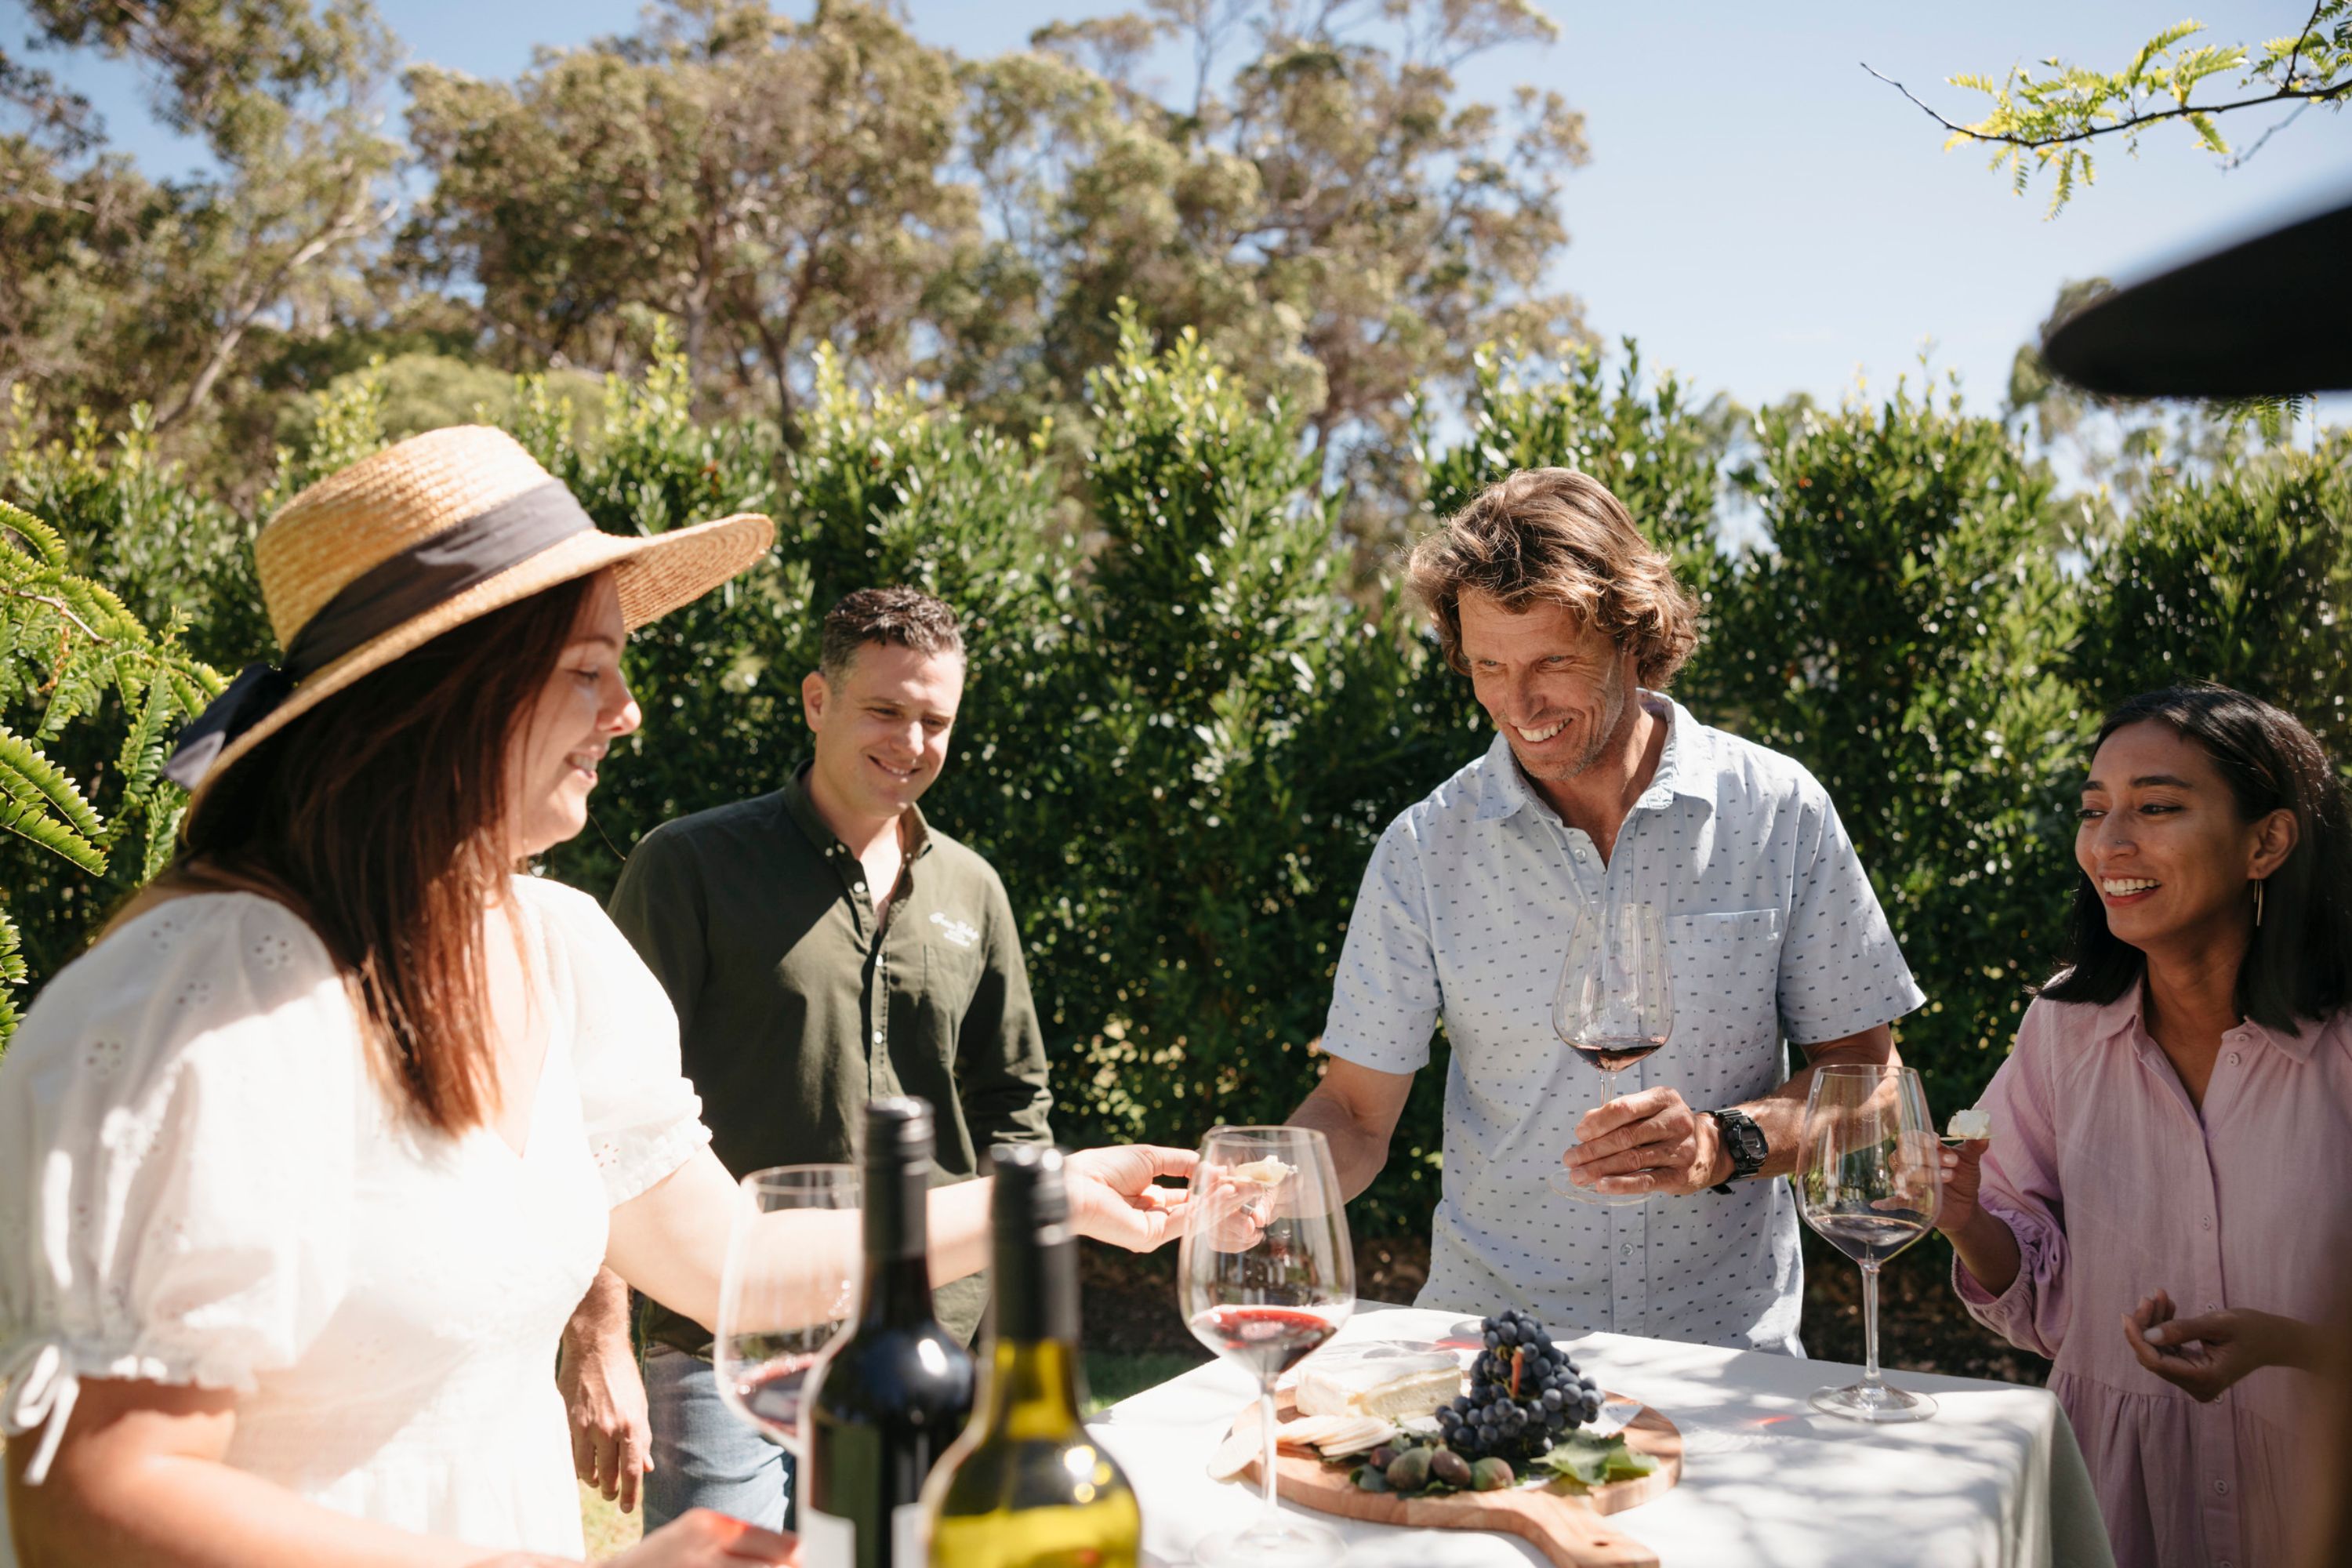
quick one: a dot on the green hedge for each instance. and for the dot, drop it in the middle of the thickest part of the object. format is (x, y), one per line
(1187, 722)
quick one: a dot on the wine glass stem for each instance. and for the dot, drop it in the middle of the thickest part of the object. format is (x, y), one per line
(1870, 1325)
(1266, 1466)
(1608, 1084)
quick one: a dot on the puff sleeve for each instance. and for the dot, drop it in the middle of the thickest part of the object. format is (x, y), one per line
(179, 1120)
(642, 1115)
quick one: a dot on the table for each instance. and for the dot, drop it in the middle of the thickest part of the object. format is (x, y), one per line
(1995, 1479)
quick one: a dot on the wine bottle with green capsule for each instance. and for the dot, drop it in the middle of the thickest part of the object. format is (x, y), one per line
(1026, 1486)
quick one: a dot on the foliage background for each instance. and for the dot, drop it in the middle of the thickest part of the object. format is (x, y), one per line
(1191, 714)
(1150, 381)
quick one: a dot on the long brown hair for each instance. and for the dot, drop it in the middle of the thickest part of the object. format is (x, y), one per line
(380, 818)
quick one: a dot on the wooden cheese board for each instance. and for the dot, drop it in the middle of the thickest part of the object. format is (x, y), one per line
(1568, 1526)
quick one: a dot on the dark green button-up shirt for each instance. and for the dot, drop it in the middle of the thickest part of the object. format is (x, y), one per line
(794, 1009)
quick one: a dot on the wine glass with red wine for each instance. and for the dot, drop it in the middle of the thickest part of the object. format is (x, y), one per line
(1866, 1179)
(1614, 1005)
(780, 1304)
(1266, 1275)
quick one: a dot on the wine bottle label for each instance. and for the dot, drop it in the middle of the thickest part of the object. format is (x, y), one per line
(829, 1543)
(911, 1536)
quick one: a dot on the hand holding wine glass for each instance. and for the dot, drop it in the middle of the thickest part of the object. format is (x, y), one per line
(1868, 1179)
(1614, 1005)
(765, 1343)
(1266, 1275)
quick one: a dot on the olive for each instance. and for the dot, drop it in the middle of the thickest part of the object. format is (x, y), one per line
(1449, 1467)
(1491, 1474)
(1408, 1471)
(1382, 1458)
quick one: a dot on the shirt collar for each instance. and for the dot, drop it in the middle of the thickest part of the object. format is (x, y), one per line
(820, 832)
(2125, 1018)
(1504, 789)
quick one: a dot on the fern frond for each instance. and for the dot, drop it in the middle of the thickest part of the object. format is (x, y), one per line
(48, 546)
(25, 772)
(164, 808)
(140, 760)
(28, 820)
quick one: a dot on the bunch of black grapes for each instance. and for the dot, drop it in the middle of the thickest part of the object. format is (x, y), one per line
(1525, 1393)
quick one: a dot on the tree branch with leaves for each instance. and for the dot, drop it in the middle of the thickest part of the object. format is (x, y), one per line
(2046, 120)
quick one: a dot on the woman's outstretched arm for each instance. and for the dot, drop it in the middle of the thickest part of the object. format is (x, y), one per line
(670, 1240)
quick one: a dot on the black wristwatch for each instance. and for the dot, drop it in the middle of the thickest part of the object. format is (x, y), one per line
(1745, 1141)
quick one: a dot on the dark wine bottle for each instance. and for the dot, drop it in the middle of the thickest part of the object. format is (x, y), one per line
(1027, 1486)
(894, 1392)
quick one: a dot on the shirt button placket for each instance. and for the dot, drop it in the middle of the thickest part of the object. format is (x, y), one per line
(878, 1061)
(2215, 1430)
(1629, 1270)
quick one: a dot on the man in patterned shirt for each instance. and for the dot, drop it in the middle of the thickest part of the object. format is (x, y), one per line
(1599, 792)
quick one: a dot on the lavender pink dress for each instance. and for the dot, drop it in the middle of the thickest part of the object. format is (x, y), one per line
(2116, 1187)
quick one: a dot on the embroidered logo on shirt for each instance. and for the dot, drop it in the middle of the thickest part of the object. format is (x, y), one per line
(957, 931)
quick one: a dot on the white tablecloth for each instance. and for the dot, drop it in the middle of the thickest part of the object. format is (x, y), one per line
(1994, 1480)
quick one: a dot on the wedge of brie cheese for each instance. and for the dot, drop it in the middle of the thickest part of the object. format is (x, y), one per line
(1270, 1172)
(1970, 1124)
(1389, 1387)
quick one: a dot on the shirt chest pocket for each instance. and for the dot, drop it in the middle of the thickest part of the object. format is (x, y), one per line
(1726, 987)
(952, 975)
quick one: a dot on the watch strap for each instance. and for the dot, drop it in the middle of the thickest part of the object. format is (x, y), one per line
(1744, 1140)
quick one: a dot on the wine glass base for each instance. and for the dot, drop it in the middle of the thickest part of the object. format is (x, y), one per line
(1278, 1540)
(1880, 1404)
(1603, 1200)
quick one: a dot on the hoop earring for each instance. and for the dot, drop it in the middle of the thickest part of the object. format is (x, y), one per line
(2258, 902)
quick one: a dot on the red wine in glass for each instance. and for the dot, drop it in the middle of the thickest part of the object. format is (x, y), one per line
(1613, 1006)
(1265, 1276)
(1268, 1340)
(770, 1394)
(1614, 1052)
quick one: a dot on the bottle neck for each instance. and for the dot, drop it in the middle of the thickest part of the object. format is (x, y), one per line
(1033, 1386)
(1032, 1392)
(897, 1244)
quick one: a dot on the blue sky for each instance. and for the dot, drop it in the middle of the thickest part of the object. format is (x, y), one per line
(1760, 214)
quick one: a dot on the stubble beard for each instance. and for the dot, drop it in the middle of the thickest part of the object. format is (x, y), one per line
(1616, 702)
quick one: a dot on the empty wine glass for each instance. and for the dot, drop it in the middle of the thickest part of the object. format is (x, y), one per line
(780, 1303)
(1865, 1181)
(1266, 1275)
(1614, 1005)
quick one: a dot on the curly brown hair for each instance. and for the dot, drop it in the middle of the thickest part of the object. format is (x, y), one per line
(1557, 535)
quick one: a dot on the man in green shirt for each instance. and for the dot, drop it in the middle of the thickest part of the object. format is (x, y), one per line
(823, 945)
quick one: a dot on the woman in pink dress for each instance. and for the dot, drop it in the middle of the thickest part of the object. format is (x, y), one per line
(2172, 1138)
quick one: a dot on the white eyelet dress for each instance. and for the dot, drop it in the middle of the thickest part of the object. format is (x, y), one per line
(202, 1182)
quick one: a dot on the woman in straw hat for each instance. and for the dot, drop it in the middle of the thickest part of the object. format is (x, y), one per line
(304, 1164)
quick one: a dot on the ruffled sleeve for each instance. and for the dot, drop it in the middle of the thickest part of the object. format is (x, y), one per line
(643, 1118)
(178, 1122)
(2020, 1187)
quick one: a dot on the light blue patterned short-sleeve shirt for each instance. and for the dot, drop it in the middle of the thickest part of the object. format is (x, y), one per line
(1773, 933)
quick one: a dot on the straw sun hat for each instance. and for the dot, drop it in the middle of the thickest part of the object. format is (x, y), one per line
(383, 556)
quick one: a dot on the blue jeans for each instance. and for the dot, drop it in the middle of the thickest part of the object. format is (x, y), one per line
(706, 1456)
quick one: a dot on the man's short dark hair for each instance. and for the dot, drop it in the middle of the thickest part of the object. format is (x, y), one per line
(906, 616)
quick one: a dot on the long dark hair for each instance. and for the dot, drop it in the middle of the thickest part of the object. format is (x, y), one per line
(2299, 964)
(380, 818)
